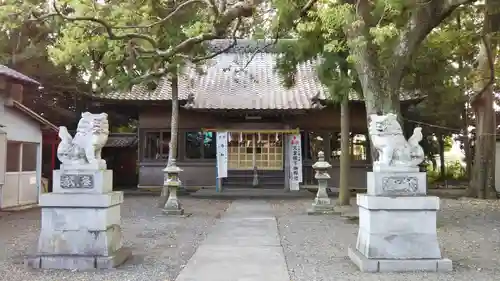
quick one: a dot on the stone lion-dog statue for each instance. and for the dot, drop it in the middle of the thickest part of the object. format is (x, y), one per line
(394, 150)
(85, 148)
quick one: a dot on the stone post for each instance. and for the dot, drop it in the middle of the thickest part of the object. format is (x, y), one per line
(172, 182)
(397, 229)
(80, 227)
(255, 178)
(322, 203)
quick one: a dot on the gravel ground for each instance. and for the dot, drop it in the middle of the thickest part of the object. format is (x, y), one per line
(161, 245)
(316, 246)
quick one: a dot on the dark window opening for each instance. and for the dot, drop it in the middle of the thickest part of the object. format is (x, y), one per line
(156, 145)
(13, 156)
(200, 145)
(30, 156)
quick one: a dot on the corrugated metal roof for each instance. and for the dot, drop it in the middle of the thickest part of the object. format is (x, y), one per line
(4, 70)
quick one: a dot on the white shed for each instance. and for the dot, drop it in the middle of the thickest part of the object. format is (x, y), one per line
(20, 143)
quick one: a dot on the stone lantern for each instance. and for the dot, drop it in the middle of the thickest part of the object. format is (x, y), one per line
(322, 203)
(172, 182)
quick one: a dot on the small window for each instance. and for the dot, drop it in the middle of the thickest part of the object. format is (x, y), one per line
(335, 146)
(13, 156)
(316, 144)
(200, 145)
(156, 145)
(357, 146)
(209, 146)
(152, 146)
(29, 157)
(194, 142)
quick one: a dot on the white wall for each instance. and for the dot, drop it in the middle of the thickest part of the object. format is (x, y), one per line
(19, 126)
(20, 189)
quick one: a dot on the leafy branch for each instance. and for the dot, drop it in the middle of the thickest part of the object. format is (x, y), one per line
(426, 17)
(162, 72)
(220, 26)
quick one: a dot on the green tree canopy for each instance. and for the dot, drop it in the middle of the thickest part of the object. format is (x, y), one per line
(365, 45)
(119, 43)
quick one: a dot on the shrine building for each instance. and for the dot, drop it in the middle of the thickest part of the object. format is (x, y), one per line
(241, 93)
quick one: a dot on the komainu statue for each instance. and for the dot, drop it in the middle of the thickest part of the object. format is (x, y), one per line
(85, 148)
(395, 153)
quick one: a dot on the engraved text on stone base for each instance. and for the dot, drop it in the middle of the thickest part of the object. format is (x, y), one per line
(77, 181)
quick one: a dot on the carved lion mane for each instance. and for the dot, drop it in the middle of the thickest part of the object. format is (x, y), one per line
(91, 136)
(385, 125)
(388, 139)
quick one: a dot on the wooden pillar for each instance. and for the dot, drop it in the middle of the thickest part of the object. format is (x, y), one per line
(345, 156)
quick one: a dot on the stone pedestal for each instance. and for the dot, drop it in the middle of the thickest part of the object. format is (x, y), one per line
(397, 225)
(396, 183)
(322, 203)
(80, 227)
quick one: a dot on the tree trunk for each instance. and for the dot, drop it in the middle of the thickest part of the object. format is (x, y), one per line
(174, 132)
(380, 102)
(434, 163)
(466, 143)
(442, 163)
(344, 192)
(377, 100)
(174, 122)
(482, 182)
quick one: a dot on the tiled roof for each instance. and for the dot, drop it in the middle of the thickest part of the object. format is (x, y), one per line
(141, 92)
(16, 75)
(225, 82)
(244, 77)
(121, 140)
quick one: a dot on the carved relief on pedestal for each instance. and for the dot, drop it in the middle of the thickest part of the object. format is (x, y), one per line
(400, 184)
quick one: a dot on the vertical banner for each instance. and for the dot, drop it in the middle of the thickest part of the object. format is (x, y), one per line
(295, 159)
(286, 151)
(222, 154)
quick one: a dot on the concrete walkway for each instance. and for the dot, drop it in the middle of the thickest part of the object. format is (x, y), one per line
(243, 246)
